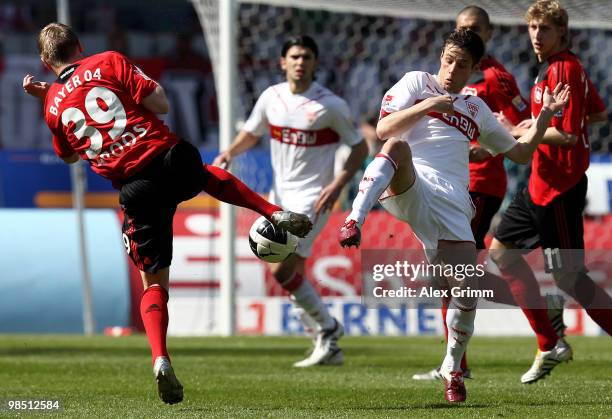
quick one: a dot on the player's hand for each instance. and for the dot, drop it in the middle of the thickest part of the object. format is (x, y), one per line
(35, 88)
(501, 118)
(525, 123)
(327, 198)
(223, 160)
(478, 153)
(442, 104)
(558, 99)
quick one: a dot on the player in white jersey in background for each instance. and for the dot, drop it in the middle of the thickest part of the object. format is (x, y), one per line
(421, 174)
(306, 123)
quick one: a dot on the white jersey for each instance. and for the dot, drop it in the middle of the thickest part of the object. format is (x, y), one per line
(305, 131)
(440, 142)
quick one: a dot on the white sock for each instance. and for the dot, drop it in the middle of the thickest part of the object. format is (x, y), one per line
(310, 325)
(460, 326)
(376, 179)
(307, 298)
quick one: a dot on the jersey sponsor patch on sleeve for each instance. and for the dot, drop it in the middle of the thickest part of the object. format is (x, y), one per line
(382, 114)
(538, 94)
(518, 103)
(387, 100)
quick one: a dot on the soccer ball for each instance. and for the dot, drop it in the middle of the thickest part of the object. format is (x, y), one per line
(269, 243)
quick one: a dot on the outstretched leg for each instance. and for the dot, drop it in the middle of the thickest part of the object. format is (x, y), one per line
(391, 168)
(226, 187)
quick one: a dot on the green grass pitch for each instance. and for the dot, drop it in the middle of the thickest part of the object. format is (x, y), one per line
(252, 376)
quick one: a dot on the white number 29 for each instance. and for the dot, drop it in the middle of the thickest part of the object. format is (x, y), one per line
(115, 111)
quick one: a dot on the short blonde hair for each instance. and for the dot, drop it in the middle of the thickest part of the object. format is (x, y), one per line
(551, 10)
(57, 43)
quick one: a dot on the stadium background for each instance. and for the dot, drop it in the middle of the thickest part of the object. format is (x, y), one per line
(361, 56)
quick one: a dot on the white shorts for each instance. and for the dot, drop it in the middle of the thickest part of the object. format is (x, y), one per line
(434, 209)
(303, 205)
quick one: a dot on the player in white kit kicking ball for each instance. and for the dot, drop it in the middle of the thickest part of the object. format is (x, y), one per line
(421, 174)
(306, 123)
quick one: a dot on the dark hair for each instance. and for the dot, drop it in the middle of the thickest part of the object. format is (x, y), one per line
(301, 41)
(477, 11)
(467, 40)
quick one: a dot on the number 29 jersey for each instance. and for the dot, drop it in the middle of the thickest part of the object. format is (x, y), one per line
(94, 109)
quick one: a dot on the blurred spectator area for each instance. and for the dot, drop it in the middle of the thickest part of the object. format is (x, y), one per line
(361, 57)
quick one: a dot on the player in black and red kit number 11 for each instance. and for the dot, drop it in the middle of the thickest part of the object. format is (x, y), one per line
(103, 109)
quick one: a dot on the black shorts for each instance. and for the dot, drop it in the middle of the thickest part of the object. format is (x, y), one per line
(486, 207)
(558, 225)
(149, 200)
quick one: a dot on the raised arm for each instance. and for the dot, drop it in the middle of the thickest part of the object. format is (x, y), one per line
(527, 143)
(35, 88)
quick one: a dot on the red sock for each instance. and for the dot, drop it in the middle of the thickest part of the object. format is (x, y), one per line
(444, 308)
(226, 187)
(526, 292)
(154, 313)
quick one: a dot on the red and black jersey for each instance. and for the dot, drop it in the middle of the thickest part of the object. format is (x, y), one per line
(93, 109)
(498, 88)
(594, 103)
(556, 169)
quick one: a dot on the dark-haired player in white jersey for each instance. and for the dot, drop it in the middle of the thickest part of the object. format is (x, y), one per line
(498, 89)
(421, 174)
(306, 123)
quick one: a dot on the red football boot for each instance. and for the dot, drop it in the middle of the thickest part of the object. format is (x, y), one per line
(349, 234)
(454, 390)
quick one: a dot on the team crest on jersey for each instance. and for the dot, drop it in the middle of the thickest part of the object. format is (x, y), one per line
(472, 108)
(469, 91)
(538, 94)
(387, 100)
(518, 103)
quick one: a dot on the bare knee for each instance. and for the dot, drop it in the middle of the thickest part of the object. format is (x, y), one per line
(398, 150)
(502, 254)
(284, 271)
(161, 278)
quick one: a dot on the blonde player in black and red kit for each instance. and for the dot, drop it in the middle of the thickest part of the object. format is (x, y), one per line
(306, 123)
(548, 213)
(103, 109)
(498, 89)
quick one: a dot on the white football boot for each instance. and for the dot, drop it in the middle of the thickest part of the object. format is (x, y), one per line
(544, 362)
(326, 350)
(169, 388)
